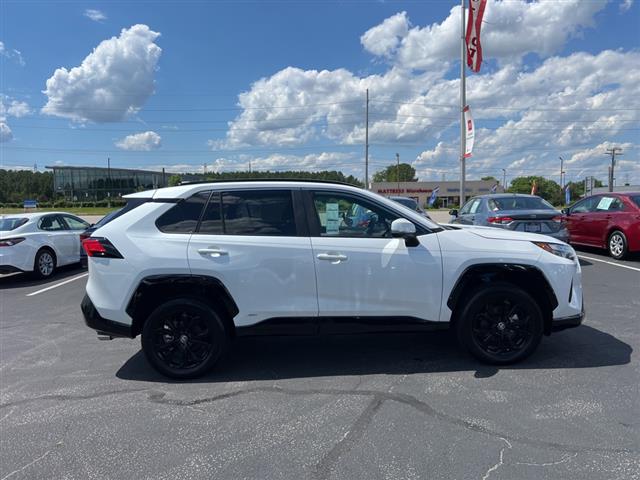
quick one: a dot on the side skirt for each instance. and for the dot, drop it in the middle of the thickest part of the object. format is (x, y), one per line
(339, 326)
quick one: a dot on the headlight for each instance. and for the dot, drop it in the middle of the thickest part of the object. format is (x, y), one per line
(559, 249)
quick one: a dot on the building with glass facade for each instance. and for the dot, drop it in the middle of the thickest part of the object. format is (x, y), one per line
(98, 183)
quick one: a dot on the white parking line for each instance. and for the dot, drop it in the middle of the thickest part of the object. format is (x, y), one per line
(610, 263)
(82, 275)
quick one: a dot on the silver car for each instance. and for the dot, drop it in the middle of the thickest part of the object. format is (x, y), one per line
(512, 211)
(412, 204)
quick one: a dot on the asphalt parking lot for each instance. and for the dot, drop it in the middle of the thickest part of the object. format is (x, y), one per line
(370, 406)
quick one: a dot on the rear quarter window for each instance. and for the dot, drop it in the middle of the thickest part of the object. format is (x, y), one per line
(635, 199)
(183, 217)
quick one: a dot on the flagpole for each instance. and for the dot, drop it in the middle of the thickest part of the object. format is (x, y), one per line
(462, 104)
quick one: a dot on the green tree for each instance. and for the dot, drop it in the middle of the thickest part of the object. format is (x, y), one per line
(489, 178)
(18, 185)
(390, 174)
(577, 188)
(547, 189)
(174, 180)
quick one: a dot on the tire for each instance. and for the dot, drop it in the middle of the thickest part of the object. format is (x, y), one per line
(184, 338)
(500, 324)
(44, 264)
(617, 245)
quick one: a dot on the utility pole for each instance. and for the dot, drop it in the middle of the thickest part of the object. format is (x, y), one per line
(561, 172)
(366, 144)
(398, 170)
(109, 180)
(164, 182)
(504, 179)
(204, 168)
(463, 101)
(613, 152)
(249, 166)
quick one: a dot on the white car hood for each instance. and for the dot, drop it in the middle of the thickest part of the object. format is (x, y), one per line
(500, 234)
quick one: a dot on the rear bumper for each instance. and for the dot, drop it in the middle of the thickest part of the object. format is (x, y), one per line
(101, 325)
(9, 269)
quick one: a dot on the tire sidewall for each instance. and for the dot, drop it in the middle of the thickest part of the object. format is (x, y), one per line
(624, 244)
(176, 305)
(36, 263)
(476, 300)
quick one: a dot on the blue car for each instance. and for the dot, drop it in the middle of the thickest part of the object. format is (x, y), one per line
(512, 211)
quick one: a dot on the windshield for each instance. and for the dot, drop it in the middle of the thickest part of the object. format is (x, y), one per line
(519, 203)
(12, 223)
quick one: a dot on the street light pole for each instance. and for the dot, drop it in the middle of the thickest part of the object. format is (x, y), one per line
(398, 170)
(504, 179)
(561, 172)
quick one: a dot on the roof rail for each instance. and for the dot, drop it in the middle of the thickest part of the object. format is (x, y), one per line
(247, 180)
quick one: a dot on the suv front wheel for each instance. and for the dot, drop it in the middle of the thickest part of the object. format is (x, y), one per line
(183, 338)
(500, 324)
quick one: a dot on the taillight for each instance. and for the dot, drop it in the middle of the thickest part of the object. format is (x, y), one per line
(100, 247)
(10, 242)
(500, 220)
(558, 218)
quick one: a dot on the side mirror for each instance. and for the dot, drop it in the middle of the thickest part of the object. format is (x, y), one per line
(453, 212)
(566, 211)
(403, 228)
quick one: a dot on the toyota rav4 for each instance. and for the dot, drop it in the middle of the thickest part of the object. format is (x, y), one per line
(191, 267)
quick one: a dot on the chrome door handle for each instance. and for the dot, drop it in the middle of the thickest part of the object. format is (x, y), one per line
(213, 252)
(332, 257)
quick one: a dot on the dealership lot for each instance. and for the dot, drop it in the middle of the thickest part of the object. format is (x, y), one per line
(370, 406)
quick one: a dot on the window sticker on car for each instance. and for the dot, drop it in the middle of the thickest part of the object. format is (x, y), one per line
(604, 203)
(333, 219)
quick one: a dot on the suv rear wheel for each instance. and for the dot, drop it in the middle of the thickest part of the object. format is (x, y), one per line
(183, 338)
(500, 324)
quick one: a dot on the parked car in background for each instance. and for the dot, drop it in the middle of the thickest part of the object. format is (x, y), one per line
(412, 204)
(609, 220)
(512, 211)
(39, 242)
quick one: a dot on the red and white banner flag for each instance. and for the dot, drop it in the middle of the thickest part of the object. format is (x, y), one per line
(469, 132)
(474, 22)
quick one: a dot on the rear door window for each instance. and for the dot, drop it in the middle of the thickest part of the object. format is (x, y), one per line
(256, 212)
(608, 204)
(183, 217)
(51, 223)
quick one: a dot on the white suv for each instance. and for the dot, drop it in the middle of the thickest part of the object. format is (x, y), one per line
(192, 267)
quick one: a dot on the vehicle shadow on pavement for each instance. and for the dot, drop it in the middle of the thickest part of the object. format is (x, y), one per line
(276, 358)
(23, 280)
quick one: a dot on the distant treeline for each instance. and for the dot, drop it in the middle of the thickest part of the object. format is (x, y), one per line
(292, 174)
(19, 185)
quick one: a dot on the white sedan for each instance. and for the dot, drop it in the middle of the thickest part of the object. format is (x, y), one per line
(39, 242)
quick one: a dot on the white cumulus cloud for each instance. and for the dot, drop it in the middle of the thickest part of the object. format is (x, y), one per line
(511, 30)
(113, 81)
(5, 132)
(626, 5)
(95, 15)
(142, 142)
(383, 39)
(12, 54)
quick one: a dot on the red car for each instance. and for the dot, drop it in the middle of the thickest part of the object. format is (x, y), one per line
(607, 220)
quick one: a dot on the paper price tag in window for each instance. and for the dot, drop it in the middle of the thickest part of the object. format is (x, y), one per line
(604, 203)
(332, 211)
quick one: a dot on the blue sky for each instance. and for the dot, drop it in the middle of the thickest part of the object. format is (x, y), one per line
(281, 85)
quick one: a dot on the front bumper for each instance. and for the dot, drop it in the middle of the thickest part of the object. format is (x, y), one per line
(559, 324)
(103, 326)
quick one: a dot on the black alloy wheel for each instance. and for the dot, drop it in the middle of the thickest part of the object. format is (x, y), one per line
(183, 338)
(500, 324)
